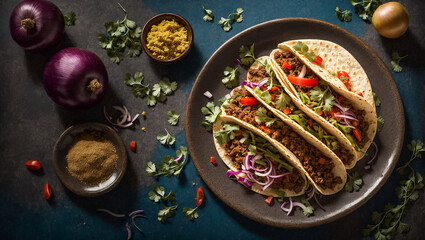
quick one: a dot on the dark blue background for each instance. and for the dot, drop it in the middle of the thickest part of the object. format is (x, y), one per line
(30, 123)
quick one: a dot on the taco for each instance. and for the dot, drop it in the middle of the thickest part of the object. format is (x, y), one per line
(256, 163)
(321, 97)
(322, 167)
(262, 84)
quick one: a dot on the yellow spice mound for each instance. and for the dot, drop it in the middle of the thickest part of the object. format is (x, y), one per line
(167, 40)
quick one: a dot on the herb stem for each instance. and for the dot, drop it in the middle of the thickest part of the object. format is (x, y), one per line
(123, 9)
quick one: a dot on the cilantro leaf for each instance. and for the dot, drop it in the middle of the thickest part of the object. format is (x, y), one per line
(381, 122)
(308, 210)
(166, 212)
(169, 166)
(395, 61)
(246, 55)
(156, 90)
(376, 99)
(173, 117)
(190, 213)
(230, 79)
(227, 133)
(354, 182)
(343, 15)
(211, 113)
(168, 87)
(283, 101)
(209, 16)
(167, 139)
(233, 17)
(70, 20)
(365, 8)
(303, 49)
(151, 101)
(324, 98)
(261, 116)
(150, 168)
(159, 194)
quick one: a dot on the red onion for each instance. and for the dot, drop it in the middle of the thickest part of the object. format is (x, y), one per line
(303, 71)
(75, 78)
(37, 25)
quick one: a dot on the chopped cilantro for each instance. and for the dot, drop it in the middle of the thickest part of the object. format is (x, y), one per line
(230, 79)
(283, 101)
(70, 20)
(227, 133)
(376, 99)
(332, 73)
(209, 16)
(267, 66)
(308, 210)
(211, 113)
(168, 166)
(395, 61)
(167, 139)
(387, 224)
(158, 194)
(246, 55)
(343, 15)
(166, 212)
(119, 36)
(265, 95)
(324, 100)
(190, 213)
(365, 8)
(381, 122)
(354, 182)
(261, 116)
(303, 49)
(173, 117)
(233, 17)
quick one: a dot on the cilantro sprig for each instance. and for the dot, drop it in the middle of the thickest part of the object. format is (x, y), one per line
(158, 194)
(190, 213)
(322, 99)
(211, 113)
(303, 49)
(232, 17)
(247, 55)
(70, 19)
(343, 15)
(209, 16)
(169, 166)
(230, 79)
(354, 182)
(227, 133)
(395, 61)
(166, 212)
(388, 224)
(365, 8)
(166, 139)
(120, 35)
(261, 116)
(173, 117)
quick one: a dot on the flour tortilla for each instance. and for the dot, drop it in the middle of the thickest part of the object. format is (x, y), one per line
(343, 141)
(338, 170)
(255, 187)
(359, 103)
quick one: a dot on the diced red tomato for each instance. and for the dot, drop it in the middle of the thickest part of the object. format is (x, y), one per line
(360, 94)
(357, 134)
(213, 160)
(305, 82)
(340, 98)
(263, 88)
(286, 65)
(355, 123)
(274, 88)
(287, 111)
(248, 100)
(318, 60)
(133, 146)
(320, 113)
(33, 165)
(200, 196)
(269, 200)
(345, 78)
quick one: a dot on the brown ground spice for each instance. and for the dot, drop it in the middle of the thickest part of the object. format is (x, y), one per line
(92, 158)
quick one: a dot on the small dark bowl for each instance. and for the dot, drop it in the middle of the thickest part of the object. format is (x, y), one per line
(158, 19)
(62, 147)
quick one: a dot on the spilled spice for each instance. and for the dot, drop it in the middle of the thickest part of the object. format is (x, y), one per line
(92, 158)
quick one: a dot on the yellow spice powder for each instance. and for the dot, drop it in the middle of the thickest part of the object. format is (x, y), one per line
(167, 40)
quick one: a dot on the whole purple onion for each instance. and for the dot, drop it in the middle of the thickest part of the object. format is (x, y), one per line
(37, 25)
(75, 78)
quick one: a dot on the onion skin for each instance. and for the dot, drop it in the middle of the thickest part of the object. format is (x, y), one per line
(69, 75)
(49, 25)
(391, 20)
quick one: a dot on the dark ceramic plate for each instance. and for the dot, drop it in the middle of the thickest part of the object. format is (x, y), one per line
(266, 36)
(62, 147)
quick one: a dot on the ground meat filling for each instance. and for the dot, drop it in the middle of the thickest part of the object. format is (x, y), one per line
(321, 173)
(256, 75)
(237, 151)
(296, 65)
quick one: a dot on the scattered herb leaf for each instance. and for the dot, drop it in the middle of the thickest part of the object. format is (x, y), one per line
(376, 99)
(159, 194)
(168, 166)
(233, 17)
(309, 210)
(167, 139)
(395, 61)
(173, 117)
(230, 79)
(211, 113)
(381, 122)
(209, 16)
(246, 55)
(70, 20)
(343, 15)
(166, 212)
(365, 8)
(354, 182)
(190, 213)
(303, 49)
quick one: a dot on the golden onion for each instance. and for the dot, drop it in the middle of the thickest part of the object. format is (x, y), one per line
(391, 20)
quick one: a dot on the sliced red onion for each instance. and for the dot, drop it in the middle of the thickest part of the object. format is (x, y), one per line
(341, 108)
(128, 231)
(239, 61)
(347, 123)
(176, 159)
(228, 96)
(248, 83)
(262, 82)
(135, 117)
(318, 203)
(279, 176)
(208, 94)
(136, 212)
(270, 182)
(246, 162)
(288, 210)
(270, 167)
(111, 213)
(298, 204)
(124, 114)
(126, 120)
(284, 208)
(231, 173)
(245, 182)
(303, 71)
(346, 117)
(133, 222)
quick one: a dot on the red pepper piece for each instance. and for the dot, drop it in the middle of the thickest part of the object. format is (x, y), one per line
(47, 191)
(360, 94)
(305, 82)
(213, 160)
(286, 65)
(345, 78)
(340, 98)
(274, 88)
(269, 200)
(287, 111)
(33, 165)
(357, 134)
(133, 146)
(318, 60)
(200, 196)
(248, 100)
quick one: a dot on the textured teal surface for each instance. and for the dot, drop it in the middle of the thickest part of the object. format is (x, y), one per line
(24, 214)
